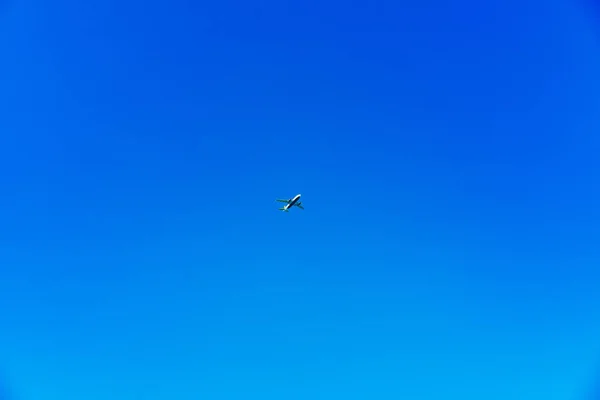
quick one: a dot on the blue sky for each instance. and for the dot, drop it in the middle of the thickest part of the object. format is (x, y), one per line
(447, 154)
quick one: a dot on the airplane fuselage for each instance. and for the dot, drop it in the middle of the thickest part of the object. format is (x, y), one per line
(292, 202)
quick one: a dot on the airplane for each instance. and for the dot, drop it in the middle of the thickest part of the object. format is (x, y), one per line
(291, 202)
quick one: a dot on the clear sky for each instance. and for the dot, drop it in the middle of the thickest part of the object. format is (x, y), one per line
(446, 151)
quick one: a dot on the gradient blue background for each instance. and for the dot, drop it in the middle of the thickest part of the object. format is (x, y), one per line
(447, 154)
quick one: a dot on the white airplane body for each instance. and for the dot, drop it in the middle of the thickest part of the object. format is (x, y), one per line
(294, 201)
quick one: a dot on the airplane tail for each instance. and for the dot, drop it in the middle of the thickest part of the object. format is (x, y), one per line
(283, 209)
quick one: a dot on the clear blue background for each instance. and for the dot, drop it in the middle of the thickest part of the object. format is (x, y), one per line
(447, 153)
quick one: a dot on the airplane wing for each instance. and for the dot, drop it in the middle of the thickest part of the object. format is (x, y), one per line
(300, 206)
(282, 200)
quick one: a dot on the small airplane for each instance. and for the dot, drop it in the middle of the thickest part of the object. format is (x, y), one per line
(290, 203)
